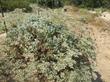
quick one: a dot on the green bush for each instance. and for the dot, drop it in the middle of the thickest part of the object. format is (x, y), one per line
(46, 52)
(27, 10)
(10, 5)
(51, 3)
(92, 3)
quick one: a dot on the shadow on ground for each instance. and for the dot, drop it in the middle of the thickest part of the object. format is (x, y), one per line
(98, 79)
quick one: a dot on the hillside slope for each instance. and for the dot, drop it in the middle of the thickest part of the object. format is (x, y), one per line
(102, 37)
(76, 20)
(100, 32)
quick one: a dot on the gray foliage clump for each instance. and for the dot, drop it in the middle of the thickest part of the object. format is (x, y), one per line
(41, 51)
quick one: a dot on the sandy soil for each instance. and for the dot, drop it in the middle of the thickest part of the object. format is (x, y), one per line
(105, 16)
(103, 49)
(102, 40)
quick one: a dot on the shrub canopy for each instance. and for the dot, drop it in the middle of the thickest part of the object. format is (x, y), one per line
(10, 5)
(47, 52)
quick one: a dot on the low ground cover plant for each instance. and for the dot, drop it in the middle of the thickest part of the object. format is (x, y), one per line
(41, 51)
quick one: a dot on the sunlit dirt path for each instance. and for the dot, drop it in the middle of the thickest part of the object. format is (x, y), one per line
(101, 36)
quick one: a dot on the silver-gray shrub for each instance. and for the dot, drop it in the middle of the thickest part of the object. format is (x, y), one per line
(41, 51)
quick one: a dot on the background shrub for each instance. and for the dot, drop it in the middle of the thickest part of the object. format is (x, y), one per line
(46, 52)
(27, 10)
(10, 5)
(81, 3)
(50, 3)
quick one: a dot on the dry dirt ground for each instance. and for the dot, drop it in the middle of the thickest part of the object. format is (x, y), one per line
(100, 32)
(101, 36)
(102, 39)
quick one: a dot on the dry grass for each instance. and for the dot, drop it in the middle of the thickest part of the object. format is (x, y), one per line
(2, 44)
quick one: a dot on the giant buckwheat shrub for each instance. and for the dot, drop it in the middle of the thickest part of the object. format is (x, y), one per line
(41, 51)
